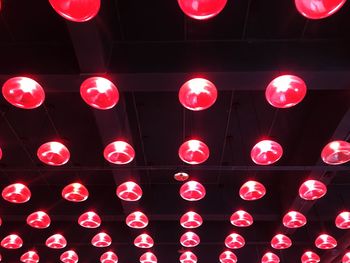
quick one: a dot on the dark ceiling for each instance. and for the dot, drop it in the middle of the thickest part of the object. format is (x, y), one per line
(149, 48)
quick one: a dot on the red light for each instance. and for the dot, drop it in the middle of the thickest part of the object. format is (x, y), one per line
(12, 241)
(76, 10)
(99, 93)
(89, 220)
(281, 241)
(266, 152)
(270, 257)
(252, 190)
(294, 219)
(194, 152)
(109, 257)
(129, 191)
(192, 191)
(191, 220)
(228, 257)
(188, 257)
(342, 221)
(190, 239)
(16, 193)
(181, 176)
(202, 9)
(234, 241)
(69, 257)
(137, 220)
(53, 153)
(56, 241)
(325, 241)
(23, 93)
(346, 258)
(310, 257)
(241, 218)
(148, 257)
(39, 220)
(30, 257)
(119, 152)
(312, 190)
(75, 192)
(336, 152)
(101, 240)
(143, 241)
(318, 9)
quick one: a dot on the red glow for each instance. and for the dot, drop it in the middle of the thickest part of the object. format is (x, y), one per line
(30, 257)
(109, 257)
(281, 241)
(192, 191)
(191, 220)
(56, 241)
(342, 221)
(270, 257)
(312, 190)
(234, 241)
(137, 220)
(39, 220)
(318, 9)
(76, 10)
(181, 176)
(129, 191)
(119, 152)
(12, 241)
(310, 257)
(148, 257)
(53, 153)
(325, 241)
(144, 241)
(294, 219)
(198, 94)
(188, 257)
(69, 256)
(285, 91)
(75, 192)
(228, 257)
(23, 92)
(252, 190)
(266, 152)
(89, 220)
(346, 258)
(202, 9)
(194, 152)
(336, 152)
(16, 193)
(241, 218)
(190, 239)
(101, 240)
(99, 93)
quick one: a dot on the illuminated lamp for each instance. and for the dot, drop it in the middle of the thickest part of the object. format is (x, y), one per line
(109, 257)
(266, 152)
(137, 220)
(148, 257)
(76, 10)
(101, 240)
(0, 153)
(310, 257)
(202, 9)
(294, 219)
(312, 190)
(194, 152)
(281, 241)
(234, 241)
(325, 241)
(270, 257)
(192, 191)
(30, 257)
(228, 257)
(69, 256)
(188, 257)
(181, 176)
(16, 193)
(56, 241)
(89, 220)
(336, 152)
(144, 241)
(318, 9)
(53, 153)
(342, 221)
(190, 239)
(119, 152)
(241, 218)
(75, 192)
(39, 220)
(23, 93)
(191, 220)
(12, 241)
(346, 258)
(129, 191)
(252, 190)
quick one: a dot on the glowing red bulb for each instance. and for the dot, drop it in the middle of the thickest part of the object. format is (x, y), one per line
(234, 241)
(228, 257)
(325, 241)
(336, 152)
(202, 9)
(109, 257)
(270, 257)
(310, 257)
(129, 191)
(346, 258)
(294, 219)
(252, 190)
(23, 92)
(99, 93)
(75, 192)
(16, 193)
(241, 218)
(194, 152)
(144, 241)
(56, 241)
(318, 9)
(191, 220)
(39, 220)
(312, 190)
(281, 241)
(137, 220)
(53, 153)
(101, 240)
(89, 220)
(69, 256)
(192, 191)
(188, 257)
(30, 257)
(181, 176)
(12, 241)
(119, 152)
(266, 152)
(148, 257)
(190, 239)
(76, 10)
(342, 221)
